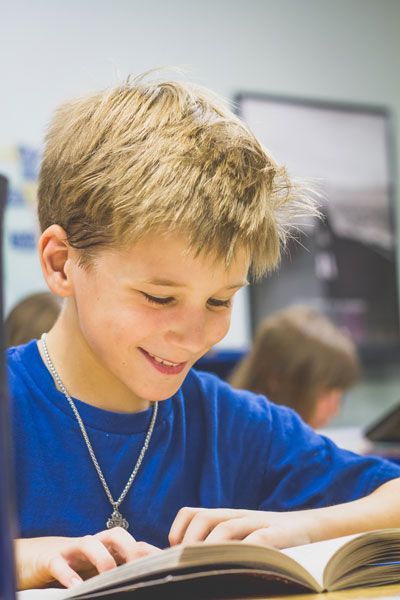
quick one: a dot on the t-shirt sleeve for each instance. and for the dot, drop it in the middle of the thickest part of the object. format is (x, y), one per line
(307, 470)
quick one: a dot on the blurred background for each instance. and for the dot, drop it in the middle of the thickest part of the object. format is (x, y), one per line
(345, 53)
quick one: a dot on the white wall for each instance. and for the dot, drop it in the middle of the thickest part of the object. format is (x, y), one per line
(50, 50)
(344, 49)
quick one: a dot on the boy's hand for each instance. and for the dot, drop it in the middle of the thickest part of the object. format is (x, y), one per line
(43, 561)
(378, 510)
(214, 525)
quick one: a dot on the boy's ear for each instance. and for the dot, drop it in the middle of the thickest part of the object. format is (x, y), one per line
(56, 256)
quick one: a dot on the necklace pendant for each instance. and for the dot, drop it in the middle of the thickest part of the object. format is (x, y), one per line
(117, 520)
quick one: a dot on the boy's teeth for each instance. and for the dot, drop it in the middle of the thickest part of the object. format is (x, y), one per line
(164, 362)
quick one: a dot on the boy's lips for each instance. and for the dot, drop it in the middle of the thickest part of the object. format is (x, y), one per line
(162, 365)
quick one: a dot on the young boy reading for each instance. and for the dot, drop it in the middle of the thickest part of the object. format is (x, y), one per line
(155, 205)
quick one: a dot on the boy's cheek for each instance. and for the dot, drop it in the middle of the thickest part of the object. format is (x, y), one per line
(220, 329)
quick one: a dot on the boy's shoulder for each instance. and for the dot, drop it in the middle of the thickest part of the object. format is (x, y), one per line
(222, 404)
(24, 366)
(214, 394)
(17, 354)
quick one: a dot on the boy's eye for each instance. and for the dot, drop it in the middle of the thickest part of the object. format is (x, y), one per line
(216, 303)
(160, 300)
(157, 299)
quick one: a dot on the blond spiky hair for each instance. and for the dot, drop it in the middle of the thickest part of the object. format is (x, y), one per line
(143, 156)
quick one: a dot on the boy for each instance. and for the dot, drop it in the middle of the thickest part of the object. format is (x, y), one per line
(155, 203)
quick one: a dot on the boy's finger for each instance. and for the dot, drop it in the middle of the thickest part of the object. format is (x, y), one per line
(124, 545)
(181, 523)
(267, 536)
(232, 529)
(94, 551)
(60, 570)
(141, 550)
(118, 541)
(198, 529)
(203, 522)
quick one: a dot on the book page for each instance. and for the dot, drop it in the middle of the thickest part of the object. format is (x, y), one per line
(314, 557)
(372, 557)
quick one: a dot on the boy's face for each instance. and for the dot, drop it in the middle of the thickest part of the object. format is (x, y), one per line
(147, 314)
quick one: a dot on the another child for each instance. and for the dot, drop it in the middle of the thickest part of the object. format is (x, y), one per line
(155, 205)
(30, 317)
(300, 359)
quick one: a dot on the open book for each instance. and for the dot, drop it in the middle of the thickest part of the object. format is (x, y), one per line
(234, 569)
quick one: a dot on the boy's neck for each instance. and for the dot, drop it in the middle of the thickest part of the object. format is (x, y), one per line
(84, 377)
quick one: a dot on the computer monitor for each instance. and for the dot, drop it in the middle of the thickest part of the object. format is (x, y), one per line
(345, 264)
(7, 517)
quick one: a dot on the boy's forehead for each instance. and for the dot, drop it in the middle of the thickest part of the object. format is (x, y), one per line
(168, 260)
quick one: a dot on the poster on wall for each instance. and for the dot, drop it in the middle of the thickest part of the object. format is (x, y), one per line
(22, 272)
(345, 263)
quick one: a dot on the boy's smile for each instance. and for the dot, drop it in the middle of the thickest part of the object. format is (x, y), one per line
(162, 365)
(139, 318)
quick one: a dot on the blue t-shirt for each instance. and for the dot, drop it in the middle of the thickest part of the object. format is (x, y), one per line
(212, 446)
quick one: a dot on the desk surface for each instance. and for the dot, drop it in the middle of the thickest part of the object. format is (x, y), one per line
(388, 592)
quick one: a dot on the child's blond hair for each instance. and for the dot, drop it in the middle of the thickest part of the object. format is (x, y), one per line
(164, 155)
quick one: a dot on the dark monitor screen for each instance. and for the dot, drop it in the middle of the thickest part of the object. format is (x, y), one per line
(387, 428)
(344, 264)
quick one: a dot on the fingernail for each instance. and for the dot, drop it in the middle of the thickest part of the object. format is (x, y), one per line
(75, 581)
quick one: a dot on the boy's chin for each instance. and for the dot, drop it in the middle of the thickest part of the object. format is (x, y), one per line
(158, 395)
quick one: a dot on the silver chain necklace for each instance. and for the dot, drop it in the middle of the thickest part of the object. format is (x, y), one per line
(116, 519)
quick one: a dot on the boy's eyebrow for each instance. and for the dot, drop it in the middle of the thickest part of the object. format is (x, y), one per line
(169, 283)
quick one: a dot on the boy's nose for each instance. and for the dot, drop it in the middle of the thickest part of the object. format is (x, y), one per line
(191, 334)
